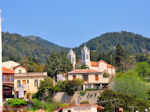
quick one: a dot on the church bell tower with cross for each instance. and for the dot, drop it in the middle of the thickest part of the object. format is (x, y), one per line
(85, 54)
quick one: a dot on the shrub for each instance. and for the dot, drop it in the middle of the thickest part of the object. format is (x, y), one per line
(84, 102)
(106, 75)
(15, 102)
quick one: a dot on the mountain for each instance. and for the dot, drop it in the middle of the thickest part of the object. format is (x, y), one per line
(46, 43)
(15, 46)
(133, 43)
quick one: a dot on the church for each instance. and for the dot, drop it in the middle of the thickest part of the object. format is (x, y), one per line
(96, 76)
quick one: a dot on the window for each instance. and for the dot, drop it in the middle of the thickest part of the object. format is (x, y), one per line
(87, 57)
(74, 77)
(96, 77)
(20, 71)
(18, 83)
(85, 77)
(24, 83)
(27, 81)
(35, 83)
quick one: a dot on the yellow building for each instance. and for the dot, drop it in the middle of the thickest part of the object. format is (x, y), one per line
(30, 81)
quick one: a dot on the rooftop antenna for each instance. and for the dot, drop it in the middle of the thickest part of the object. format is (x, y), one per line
(1, 86)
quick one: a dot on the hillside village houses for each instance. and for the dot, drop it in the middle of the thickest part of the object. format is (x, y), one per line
(29, 80)
(93, 76)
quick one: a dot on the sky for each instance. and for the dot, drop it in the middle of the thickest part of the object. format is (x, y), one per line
(69, 23)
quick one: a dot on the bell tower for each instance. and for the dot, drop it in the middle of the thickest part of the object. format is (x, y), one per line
(72, 57)
(85, 54)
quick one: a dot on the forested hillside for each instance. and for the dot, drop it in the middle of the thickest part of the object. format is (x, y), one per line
(134, 43)
(15, 46)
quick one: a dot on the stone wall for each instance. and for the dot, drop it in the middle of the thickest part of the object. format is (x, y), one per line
(90, 96)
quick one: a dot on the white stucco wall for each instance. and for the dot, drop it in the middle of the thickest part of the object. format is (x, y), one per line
(20, 68)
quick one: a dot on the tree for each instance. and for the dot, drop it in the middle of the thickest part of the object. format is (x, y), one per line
(46, 87)
(143, 69)
(57, 63)
(31, 65)
(69, 86)
(54, 64)
(82, 66)
(123, 100)
(131, 83)
(120, 57)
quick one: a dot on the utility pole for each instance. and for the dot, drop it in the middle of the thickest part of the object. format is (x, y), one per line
(114, 100)
(132, 107)
(1, 84)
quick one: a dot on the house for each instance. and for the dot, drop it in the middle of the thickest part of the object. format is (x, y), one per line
(81, 108)
(29, 80)
(92, 79)
(8, 82)
(14, 66)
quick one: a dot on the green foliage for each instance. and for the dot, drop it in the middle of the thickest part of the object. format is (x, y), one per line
(15, 46)
(15, 102)
(48, 106)
(132, 84)
(84, 102)
(82, 93)
(69, 86)
(106, 75)
(31, 66)
(124, 100)
(46, 87)
(81, 66)
(143, 69)
(58, 63)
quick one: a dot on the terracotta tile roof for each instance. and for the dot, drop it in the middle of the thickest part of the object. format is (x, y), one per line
(96, 64)
(81, 105)
(83, 71)
(6, 70)
(110, 66)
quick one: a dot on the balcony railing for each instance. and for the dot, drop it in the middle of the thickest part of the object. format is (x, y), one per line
(8, 80)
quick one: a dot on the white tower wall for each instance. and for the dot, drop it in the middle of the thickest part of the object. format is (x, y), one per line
(72, 57)
(85, 54)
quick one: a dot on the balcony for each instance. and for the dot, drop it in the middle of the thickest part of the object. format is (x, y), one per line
(8, 81)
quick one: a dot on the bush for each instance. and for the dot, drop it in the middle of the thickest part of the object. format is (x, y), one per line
(69, 86)
(106, 75)
(82, 93)
(15, 102)
(84, 102)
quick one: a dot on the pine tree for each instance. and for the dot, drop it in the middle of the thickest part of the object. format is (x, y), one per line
(120, 57)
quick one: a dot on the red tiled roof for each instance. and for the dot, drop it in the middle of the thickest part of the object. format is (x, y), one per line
(6, 70)
(96, 64)
(84, 71)
(110, 66)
